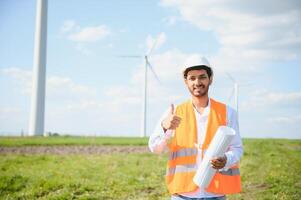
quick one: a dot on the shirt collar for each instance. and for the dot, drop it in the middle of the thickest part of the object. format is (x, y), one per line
(206, 109)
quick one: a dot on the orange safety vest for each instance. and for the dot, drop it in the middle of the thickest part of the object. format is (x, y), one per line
(182, 167)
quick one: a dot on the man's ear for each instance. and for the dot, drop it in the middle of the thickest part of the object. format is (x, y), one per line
(185, 80)
(210, 80)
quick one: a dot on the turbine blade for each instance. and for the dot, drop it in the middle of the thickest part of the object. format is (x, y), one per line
(153, 71)
(129, 56)
(231, 77)
(231, 95)
(153, 46)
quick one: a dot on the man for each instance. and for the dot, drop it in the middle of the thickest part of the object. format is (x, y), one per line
(187, 130)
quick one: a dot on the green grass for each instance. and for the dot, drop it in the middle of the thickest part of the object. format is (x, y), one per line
(271, 169)
(71, 140)
(82, 177)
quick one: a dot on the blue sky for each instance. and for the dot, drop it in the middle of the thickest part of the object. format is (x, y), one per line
(93, 91)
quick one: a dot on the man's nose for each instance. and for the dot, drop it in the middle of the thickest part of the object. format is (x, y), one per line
(198, 81)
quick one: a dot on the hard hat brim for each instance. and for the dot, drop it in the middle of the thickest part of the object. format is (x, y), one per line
(198, 67)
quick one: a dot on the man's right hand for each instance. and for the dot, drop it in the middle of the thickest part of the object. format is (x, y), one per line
(171, 122)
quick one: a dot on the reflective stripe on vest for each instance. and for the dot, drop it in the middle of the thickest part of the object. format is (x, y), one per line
(182, 153)
(181, 168)
(230, 172)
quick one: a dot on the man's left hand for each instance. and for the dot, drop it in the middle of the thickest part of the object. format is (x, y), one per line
(219, 163)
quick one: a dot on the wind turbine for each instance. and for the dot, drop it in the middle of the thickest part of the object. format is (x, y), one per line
(147, 65)
(234, 91)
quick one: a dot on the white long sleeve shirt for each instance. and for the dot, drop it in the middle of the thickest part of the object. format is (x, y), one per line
(158, 142)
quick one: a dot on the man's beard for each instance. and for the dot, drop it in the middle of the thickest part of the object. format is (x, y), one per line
(200, 94)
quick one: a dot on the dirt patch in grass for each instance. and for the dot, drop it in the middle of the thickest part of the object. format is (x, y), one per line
(67, 149)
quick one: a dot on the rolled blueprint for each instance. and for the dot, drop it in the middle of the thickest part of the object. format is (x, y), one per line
(217, 147)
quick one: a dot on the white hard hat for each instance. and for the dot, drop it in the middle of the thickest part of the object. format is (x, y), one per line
(195, 61)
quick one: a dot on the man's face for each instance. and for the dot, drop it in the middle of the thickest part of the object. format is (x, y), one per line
(198, 82)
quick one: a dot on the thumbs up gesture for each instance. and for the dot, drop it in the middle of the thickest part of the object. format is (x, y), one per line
(171, 122)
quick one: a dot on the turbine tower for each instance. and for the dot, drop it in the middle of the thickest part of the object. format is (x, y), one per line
(37, 112)
(144, 107)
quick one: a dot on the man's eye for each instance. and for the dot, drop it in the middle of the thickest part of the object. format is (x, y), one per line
(192, 78)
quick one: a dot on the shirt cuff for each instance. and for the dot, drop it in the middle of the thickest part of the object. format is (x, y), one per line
(229, 162)
(168, 135)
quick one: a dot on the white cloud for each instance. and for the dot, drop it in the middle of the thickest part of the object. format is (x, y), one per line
(9, 110)
(17, 73)
(83, 35)
(55, 86)
(120, 95)
(115, 113)
(267, 99)
(171, 20)
(65, 85)
(21, 77)
(85, 105)
(69, 25)
(249, 35)
(72, 31)
(286, 120)
(90, 34)
(168, 65)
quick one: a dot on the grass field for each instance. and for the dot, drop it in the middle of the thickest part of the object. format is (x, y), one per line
(271, 169)
(68, 140)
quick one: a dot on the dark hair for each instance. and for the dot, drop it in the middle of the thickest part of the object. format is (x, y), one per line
(198, 67)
